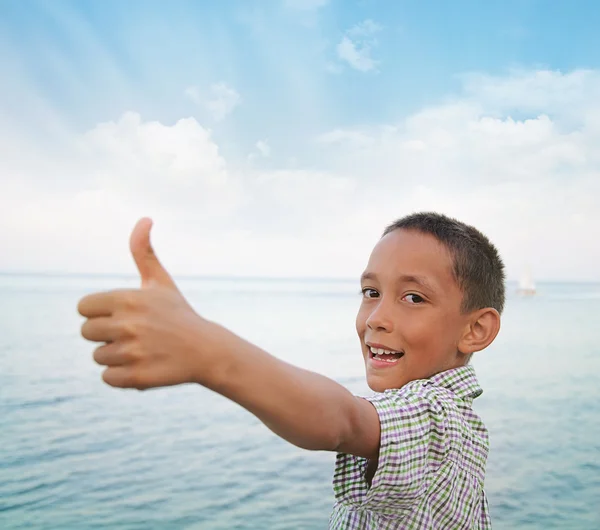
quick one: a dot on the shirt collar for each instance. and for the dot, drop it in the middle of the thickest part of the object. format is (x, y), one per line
(462, 381)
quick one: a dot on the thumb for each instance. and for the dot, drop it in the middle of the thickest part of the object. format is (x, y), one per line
(151, 270)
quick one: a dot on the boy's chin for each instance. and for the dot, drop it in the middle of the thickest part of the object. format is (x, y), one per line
(377, 384)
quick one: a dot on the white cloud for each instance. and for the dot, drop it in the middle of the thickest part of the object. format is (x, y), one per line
(487, 136)
(544, 91)
(263, 148)
(220, 102)
(125, 169)
(525, 170)
(530, 181)
(178, 163)
(357, 44)
(302, 201)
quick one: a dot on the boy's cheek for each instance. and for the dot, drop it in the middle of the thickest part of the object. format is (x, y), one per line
(360, 323)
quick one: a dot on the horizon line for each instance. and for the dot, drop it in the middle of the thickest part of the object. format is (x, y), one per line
(222, 277)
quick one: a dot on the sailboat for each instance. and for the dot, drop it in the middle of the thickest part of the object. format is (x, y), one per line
(526, 284)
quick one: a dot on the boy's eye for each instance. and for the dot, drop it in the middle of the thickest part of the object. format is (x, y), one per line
(369, 293)
(414, 298)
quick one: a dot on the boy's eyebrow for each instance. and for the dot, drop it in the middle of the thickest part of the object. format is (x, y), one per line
(368, 276)
(419, 280)
(404, 278)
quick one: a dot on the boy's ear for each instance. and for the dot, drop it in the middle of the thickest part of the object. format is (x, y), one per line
(483, 326)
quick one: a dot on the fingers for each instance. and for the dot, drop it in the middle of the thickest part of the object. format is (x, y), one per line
(101, 329)
(110, 329)
(123, 365)
(126, 377)
(151, 270)
(104, 304)
(121, 377)
(112, 354)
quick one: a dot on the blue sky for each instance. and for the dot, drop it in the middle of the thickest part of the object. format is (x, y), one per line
(289, 132)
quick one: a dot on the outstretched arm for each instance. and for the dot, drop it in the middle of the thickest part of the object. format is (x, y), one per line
(305, 408)
(152, 337)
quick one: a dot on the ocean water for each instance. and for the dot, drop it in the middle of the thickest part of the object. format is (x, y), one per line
(77, 454)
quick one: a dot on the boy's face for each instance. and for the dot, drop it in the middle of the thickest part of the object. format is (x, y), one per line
(411, 305)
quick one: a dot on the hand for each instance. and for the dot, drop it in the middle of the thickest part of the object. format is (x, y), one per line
(151, 334)
(154, 338)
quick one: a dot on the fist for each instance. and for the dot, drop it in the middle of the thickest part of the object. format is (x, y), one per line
(151, 335)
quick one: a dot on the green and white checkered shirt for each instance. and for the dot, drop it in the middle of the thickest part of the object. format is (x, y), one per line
(432, 458)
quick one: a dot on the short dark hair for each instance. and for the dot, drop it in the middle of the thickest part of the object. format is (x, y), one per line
(478, 268)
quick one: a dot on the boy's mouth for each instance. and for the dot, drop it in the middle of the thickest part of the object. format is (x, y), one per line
(383, 354)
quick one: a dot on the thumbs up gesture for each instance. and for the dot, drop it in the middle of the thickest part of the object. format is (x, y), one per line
(152, 337)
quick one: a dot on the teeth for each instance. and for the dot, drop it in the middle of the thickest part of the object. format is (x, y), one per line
(381, 351)
(387, 360)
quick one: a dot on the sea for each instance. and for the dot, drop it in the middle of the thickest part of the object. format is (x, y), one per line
(78, 454)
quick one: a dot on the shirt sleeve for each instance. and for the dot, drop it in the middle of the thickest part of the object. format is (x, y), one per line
(411, 446)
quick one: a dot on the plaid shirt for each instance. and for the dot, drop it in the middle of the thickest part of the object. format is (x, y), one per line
(432, 458)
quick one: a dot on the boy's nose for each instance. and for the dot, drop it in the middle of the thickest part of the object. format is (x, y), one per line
(380, 318)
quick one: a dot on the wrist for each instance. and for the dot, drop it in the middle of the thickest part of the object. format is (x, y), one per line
(211, 354)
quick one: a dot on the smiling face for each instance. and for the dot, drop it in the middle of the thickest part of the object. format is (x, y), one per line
(411, 306)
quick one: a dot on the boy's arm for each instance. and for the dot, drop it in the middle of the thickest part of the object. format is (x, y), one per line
(304, 408)
(152, 338)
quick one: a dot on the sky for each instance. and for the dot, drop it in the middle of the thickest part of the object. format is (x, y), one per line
(278, 138)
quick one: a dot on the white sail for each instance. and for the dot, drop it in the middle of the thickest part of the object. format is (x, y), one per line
(526, 283)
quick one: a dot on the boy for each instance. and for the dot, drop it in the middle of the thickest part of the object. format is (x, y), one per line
(412, 456)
